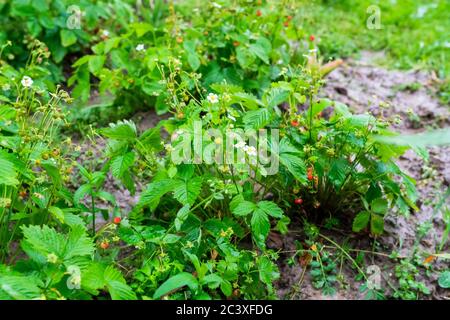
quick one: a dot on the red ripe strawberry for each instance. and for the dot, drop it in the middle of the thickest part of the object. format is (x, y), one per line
(312, 38)
(117, 220)
(294, 123)
(289, 18)
(236, 43)
(298, 201)
(286, 24)
(310, 177)
(258, 13)
(104, 245)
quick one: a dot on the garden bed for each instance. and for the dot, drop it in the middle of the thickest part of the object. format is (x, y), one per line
(364, 86)
(233, 150)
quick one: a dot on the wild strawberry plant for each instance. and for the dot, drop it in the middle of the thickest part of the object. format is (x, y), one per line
(331, 162)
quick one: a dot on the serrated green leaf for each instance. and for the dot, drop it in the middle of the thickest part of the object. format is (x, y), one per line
(81, 192)
(175, 282)
(376, 224)
(244, 56)
(257, 119)
(122, 130)
(186, 192)
(182, 215)
(72, 220)
(106, 196)
(282, 225)
(212, 280)
(155, 190)
(260, 227)
(244, 208)
(95, 64)
(121, 163)
(68, 37)
(267, 270)
(78, 243)
(338, 171)
(226, 288)
(53, 172)
(275, 97)
(57, 213)
(8, 174)
(44, 240)
(271, 208)
(379, 206)
(19, 287)
(117, 287)
(319, 106)
(361, 221)
(261, 48)
(291, 158)
(193, 61)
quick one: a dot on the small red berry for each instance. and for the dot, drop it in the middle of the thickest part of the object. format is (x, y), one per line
(236, 43)
(104, 245)
(310, 177)
(312, 38)
(286, 24)
(258, 13)
(117, 220)
(294, 123)
(298, 201)
(289, 18)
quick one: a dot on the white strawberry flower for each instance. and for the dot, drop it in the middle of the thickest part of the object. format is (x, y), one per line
(74, 281)
(251, 151)
(27, 82)
(212, 98)
(140, 47)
